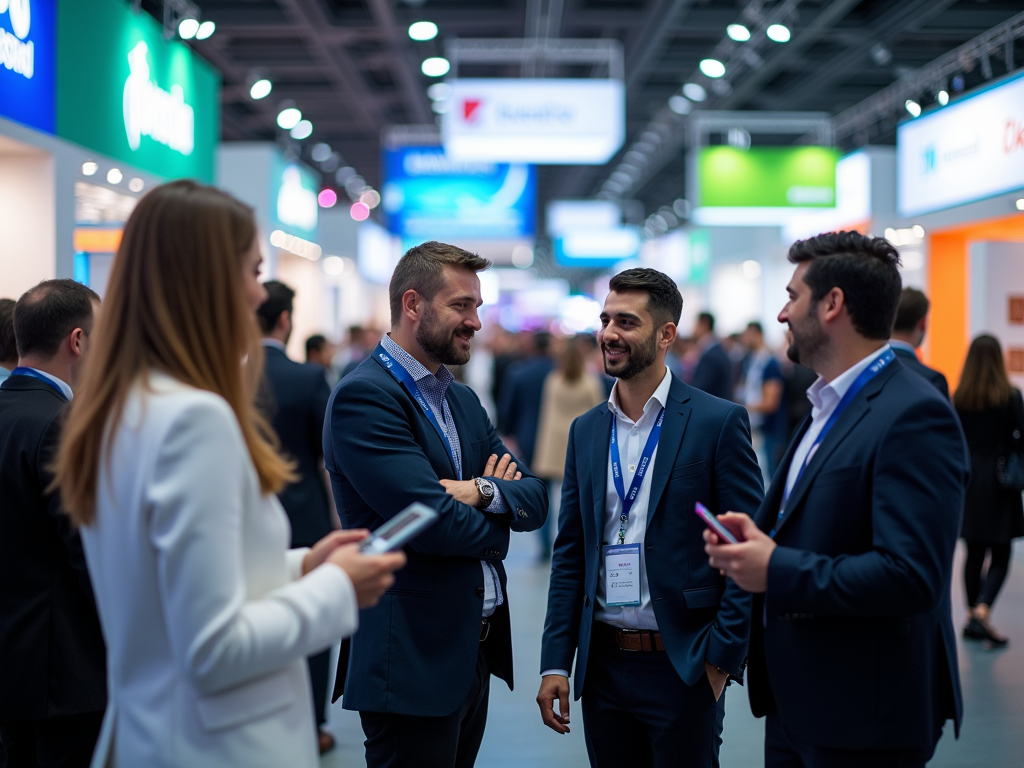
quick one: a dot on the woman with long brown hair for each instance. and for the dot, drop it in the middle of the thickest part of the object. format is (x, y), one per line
(992, 414)
(171, 473)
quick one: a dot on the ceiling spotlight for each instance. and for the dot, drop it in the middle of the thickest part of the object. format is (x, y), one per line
(136, 184)
(261, 89)
(188, 28)
(439, 91)
(289, 118)
(327, 198)
(370, 198)
(435, 66)
(89, 168)
(1020, 204)
(880, 54)
(302, 130)
(206, 29)
(913, 108)
(942, 97)
(321, 152)
(359, 211)
(680, 105)
(738, 32)
(778, 33)
(712, 67)
(344, 174)
(694, 92)
(421, 31)
(334, 265)
(114, 176)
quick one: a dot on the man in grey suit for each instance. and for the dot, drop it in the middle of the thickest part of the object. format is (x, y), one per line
(908, 334)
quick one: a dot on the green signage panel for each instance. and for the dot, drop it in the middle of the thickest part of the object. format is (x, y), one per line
(125, 92)
(767, 177)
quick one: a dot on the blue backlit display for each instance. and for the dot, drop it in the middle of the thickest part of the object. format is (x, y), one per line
(28, 45)
(426, 195)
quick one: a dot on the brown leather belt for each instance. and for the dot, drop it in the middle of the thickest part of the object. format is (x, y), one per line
(628, 639)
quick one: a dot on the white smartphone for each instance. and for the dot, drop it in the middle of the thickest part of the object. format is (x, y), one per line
(400, 529)
(711, 522)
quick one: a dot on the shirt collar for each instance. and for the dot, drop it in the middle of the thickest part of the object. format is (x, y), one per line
(659, 398)
(821, 393)
(897, 344)
(62, 385)
(414, 367)
(273, 343)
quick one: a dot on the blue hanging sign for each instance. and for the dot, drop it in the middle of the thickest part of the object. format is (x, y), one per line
(28, 48)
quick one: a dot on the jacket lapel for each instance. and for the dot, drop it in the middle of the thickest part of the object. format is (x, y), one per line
(844, 425)
(677, 416)
(599, 465)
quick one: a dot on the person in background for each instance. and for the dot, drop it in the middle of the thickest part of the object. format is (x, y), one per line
(653, 655)
(852, 654)
(505, 350)
(738, 354)
(992, 415)
(569, 391)
(360, 343)
(319, 351)
(169, 471)
(714, 371)
(53, 686)
(761, 392)
(8, 347)
(519, 409)
(908, 334)
(293, 398)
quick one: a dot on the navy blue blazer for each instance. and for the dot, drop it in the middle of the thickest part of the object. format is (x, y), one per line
(909, 359)
(416, 652)
(714, 372)
(294, 397)
(856, 648)
(519, 409)
(704, 454)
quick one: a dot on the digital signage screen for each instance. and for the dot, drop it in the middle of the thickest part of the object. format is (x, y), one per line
(426, 195)
(28, 43)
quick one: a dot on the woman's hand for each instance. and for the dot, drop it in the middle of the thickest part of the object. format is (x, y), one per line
(320, 551)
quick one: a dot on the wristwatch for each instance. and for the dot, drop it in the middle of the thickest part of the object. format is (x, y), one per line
(486, 491)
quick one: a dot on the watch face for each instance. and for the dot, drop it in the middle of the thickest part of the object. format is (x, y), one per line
(485, 488)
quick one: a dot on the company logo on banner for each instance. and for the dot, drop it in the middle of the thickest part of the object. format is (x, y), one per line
(151, 111)
(27, 56)
(964, 152)
(17, 54)
(552, 121)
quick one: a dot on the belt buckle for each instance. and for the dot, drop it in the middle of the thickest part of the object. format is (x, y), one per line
(627, 632)
(485, 629)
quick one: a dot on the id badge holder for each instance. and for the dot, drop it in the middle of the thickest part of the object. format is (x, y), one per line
(622, 574)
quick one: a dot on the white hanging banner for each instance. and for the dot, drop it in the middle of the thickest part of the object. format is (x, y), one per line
(543, 121)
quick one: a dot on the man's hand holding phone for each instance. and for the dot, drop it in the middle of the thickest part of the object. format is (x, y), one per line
(745, 562)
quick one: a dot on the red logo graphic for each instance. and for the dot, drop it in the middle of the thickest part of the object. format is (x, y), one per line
(471, 110)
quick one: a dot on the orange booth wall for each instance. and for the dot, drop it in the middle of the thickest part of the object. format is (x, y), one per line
(949, 269)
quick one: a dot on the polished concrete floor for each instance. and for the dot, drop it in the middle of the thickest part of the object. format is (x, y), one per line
(993, 684)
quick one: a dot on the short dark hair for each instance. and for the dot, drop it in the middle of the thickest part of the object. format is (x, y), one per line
(279, 301)
(47, 313)
(756, 326)
(708, 319)
(8, 346)
(421, 269)
(315, 343)
(864, 268)
(914, 306)
(664, 301)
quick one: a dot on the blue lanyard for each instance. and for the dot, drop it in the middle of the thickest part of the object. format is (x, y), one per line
(23, 371)
(402, 377)
(877, 365)
(638, 476)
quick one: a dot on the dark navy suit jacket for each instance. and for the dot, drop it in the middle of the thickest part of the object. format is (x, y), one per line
(909, 359)
(519, 409)
(416, 652)
(295, 400)
(704, 454)
(714, 372)
(855, 648)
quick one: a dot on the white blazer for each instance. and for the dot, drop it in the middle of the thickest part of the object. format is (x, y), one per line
(206, 620)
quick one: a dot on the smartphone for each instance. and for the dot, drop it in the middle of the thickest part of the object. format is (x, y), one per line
(399, 530)
(709, 520)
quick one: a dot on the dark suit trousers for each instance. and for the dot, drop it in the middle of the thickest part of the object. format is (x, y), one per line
(780, 751)
(319, 677)
(408, 741)
(57, 742)
(637, 712)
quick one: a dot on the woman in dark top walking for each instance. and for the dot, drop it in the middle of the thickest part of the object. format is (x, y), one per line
(992, 414)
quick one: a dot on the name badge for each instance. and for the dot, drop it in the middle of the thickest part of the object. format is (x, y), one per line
(622, 574)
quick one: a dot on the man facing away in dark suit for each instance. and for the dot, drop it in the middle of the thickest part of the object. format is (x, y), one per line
(852, 649)
(294, 397)
(714, 372)
(53, 687)
(908, 334)
(656, 632)
(400, 429)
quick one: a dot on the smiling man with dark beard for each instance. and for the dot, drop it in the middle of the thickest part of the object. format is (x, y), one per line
(400, 429)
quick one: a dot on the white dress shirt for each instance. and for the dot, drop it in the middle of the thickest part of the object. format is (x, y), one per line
(824, 397)
(632, 438)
